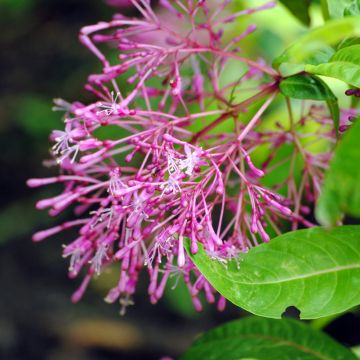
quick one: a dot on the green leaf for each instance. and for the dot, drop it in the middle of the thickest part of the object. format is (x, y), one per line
(341, 191)
(316, 42)
(333, 106)
(321, 56)
(323, 322)
(300, 9)
(306, 87)
(343, 65)
(353, 8)
(266, 339)
(317, 270)
(311, 88)
(356, 351)
(348, 42)
(334, 9)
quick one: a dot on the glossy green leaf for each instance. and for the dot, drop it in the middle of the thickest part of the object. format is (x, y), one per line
(341, 191)
(266, 339)
(300, 9)
(306, 87)
(316, 270)
(306, 49)
(343, 65)
(311, 88)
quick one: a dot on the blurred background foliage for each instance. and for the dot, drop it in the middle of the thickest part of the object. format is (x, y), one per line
(41, 59)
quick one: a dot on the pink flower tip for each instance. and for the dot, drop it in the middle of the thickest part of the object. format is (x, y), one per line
(39, 236)
(197, 304)
(39, 182)
(171, 139)
(257, 172)
(221, 304)
(76, 297)
(194, 247)
(43, 204)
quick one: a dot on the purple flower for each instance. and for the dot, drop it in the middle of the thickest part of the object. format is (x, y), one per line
(167, 175)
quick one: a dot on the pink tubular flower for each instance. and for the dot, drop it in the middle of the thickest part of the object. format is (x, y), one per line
(169, 174)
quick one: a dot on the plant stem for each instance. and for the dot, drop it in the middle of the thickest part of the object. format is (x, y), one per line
(233, 112)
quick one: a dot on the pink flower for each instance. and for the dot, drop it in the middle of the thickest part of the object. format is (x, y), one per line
(165, 175)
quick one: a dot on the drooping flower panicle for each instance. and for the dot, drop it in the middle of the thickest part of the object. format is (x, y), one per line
(167, 174)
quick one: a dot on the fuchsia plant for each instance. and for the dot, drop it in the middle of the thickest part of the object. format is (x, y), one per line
(167, 173)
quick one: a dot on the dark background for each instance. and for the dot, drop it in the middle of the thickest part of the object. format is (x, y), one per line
(41, 59)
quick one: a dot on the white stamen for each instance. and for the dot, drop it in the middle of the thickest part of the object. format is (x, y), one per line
(98, 259)
(61, 105)
(172, 166)
(216, 256)
(75, 257)
(109, 109)
(62, 148)
(192, 159)
(170, 186)
(115, 184)
(107, 213)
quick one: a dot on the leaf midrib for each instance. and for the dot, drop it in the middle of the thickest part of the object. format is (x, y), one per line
(304, 276)
(333, 62)
(274, 339)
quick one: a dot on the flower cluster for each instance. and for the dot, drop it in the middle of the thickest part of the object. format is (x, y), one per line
(161, 160)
